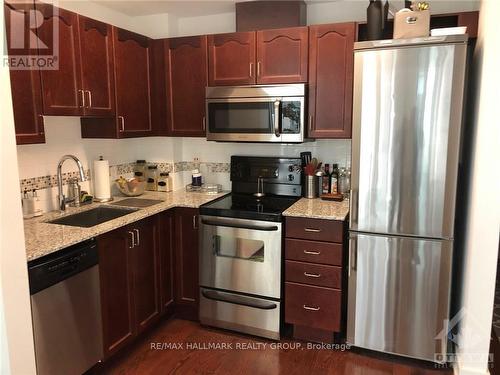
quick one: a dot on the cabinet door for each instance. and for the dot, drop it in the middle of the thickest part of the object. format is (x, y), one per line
(331, 64)
(282, 55)
(25, 84)
(115, 270)
(61, 88)
(231, 59)
(186, 63)
(186, 262)
(132, 83)
(166, 247)
(145, 272)
(97, 67)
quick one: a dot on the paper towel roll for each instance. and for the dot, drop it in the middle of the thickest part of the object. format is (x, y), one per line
(102, 187)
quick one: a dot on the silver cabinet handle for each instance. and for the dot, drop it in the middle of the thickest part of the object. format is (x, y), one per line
(316, 275)
(277, 105)
(137, 237)
(132, 242)
(258, 68)
(312, 252)
(310, 122)
(314, 230)
(89, 105)
(204, 123)
(311, 308)
(82, 93)
(195, 222)
(251, 69)
(122, 123)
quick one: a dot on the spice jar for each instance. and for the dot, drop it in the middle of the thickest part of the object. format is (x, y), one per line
(165, 182)
(140, 170)
(152, 178)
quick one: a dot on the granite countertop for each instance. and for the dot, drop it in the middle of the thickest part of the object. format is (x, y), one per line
(43, 238)
(319, 209)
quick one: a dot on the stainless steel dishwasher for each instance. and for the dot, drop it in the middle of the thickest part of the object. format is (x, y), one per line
(66, 310)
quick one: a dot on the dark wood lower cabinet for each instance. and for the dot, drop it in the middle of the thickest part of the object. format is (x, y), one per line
(138, 283)
(186, 263)
(129, 267)
(115, 271)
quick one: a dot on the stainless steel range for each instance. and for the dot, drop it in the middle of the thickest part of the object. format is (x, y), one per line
(240, 246)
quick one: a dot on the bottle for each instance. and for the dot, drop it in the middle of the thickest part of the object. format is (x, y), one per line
(140, 170)
(334, 178)
(375, 20)
(152, 178)
(196, 178)
(325, 182)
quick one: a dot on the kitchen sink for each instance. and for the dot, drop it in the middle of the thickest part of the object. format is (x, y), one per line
(95, 216)
(137, 202)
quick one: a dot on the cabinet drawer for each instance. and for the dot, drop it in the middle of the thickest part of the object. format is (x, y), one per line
(312, 306)
(313, 252)
(314, 274)
(314, 229)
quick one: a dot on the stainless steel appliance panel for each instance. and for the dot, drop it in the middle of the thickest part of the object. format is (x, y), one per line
(399, 294)
(67, 325)
(241, 255)
(255, 316)
(407, 115)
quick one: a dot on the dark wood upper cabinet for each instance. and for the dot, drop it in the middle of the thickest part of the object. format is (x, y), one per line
(132, 53)
(231, 59)
(146, 272)
(97, 67)
(61, 89)
(186, 79)
(282, 55)
(115, 270)
(186, 262)
(25, 84)
(331, 65)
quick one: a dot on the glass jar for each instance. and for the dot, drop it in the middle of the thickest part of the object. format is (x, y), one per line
(140, 170)
(152, 178)
(165, 182)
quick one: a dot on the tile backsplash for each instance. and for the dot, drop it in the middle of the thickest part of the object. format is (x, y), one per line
(38, 163)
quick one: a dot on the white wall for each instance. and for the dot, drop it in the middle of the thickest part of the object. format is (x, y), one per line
(483, 221)
(16, 338)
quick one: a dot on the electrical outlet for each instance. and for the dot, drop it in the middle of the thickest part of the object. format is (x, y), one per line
(196, 160)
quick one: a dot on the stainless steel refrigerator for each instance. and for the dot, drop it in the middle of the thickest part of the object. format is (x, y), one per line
(407, 116)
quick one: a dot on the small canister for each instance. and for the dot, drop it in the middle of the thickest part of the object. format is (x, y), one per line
(140, 170)
(311, 187)
(164, 182)
(152, 178)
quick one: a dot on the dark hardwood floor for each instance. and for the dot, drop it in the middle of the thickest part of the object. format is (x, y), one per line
(189, 354)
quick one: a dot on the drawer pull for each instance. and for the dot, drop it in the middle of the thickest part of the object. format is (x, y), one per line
(314, 230)
(311, 308)
(312, 252)
(312, 274)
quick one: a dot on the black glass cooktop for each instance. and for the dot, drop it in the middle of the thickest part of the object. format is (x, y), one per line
(246, 206)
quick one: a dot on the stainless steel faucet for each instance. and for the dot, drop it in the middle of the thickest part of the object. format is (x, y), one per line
(62, 199)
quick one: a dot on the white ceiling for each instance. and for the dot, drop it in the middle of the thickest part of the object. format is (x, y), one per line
(186, 8)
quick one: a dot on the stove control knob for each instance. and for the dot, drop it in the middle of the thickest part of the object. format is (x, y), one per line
(290, 168)
(291, 177)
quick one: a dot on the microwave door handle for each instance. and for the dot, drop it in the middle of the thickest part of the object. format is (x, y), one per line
(277, 104)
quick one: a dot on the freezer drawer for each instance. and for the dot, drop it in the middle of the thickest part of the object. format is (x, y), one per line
(399, 294)
(237, 312)
(407, 114)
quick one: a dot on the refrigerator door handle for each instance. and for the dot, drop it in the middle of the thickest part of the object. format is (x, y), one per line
(353, 254)
(354, 207)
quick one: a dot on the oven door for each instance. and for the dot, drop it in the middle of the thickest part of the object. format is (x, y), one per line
(261, 119)
(240, 255)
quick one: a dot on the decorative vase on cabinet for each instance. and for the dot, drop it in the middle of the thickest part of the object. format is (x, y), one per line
(375, 20)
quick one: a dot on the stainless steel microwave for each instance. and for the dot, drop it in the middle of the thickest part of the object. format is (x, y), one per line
(265, 113)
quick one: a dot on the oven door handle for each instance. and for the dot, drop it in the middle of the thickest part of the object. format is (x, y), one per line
(238, 300)
(267, 228)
